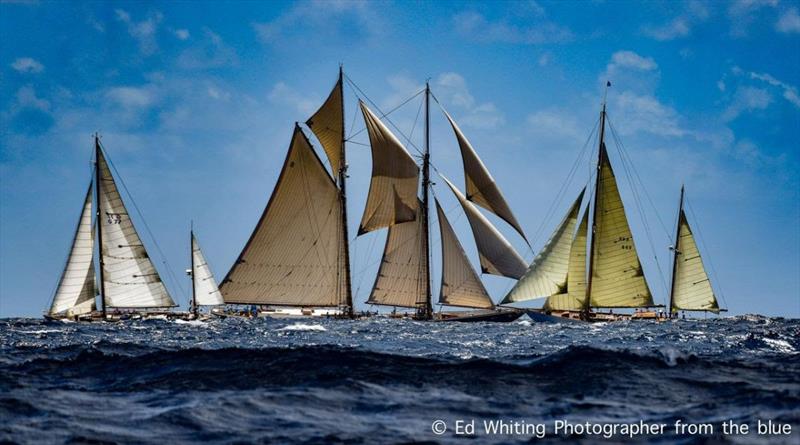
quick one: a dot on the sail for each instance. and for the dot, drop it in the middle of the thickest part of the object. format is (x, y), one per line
(573, 298)
(480, 186)
(291, 257)
(328, 123)
(617, 277)
(401, 275)
(131, 280)
(392, 197)
(206, 292)
(547, 274)
(460, 284)
(497, 257)
(76, 289)
(691, 288)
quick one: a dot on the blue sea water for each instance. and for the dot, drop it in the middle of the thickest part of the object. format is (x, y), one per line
(385, 381)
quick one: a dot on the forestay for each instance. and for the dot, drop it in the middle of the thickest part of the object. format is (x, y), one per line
(691, 288)
(206, 292)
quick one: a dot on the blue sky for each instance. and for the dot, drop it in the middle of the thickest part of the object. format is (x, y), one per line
(196, 101)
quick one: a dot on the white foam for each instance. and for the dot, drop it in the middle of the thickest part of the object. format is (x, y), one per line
(303, 327)
(780, 345)
(190, 322)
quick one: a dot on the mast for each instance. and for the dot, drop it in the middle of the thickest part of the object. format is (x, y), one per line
(191, 255)
(99, 222)
(425, 310)
(342, 189)
(600, 158)
(675, 253)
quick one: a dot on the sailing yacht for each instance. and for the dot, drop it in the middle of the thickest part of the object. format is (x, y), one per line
(205, 292)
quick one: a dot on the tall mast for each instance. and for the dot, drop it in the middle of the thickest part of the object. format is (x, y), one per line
(191, 255)
(97, 185)
(601, 152)
(342, 188)
(425, 310)
(675, 252)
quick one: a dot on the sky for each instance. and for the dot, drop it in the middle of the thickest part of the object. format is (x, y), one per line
(196, 103)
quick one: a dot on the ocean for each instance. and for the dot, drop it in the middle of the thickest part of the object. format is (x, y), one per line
(387, 381)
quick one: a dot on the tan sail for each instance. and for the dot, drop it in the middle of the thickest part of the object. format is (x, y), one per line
(131, 279)
(547, 274)
(76, 290)
(497, 256)
(691, 290)
(392, 197)
(205, 286)
(617, 278)
(291, 256)
(326, 124)
(401, 275)
(574, 298)
(480, 186)
(461, 286)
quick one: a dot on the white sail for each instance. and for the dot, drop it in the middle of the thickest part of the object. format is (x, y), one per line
(392, 197)
(497, 256)
(573, 298)
(326, 124)
(131, 280)
(481, 188)
(617, 277)
(401, 275)
(76, 289)
(206, 291)
(547, 274)
(691, 289)
(291, 257)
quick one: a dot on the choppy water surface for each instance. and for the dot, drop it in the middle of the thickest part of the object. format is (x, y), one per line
(386, 381)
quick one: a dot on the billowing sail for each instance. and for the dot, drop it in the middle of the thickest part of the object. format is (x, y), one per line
(480, 186)
(206, 292)
(691, 289)
(496, 254)
(401, 275)
(327, 125)
(547, 274)
(131, 280)
(76, 289)
(392, 195)
(573, 298)
(291, 257)
(617, 278)
(461, 286)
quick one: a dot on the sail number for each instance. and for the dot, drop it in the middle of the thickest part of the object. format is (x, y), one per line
(626, 240)
(114, 218)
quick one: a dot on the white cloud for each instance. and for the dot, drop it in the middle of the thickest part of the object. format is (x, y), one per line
(789, 92)
(557, 123)
(742, 13)
(210, 52)
(544, 59)
(27, 65)
(674, 29)
(721, 85)
(630, 59)
(182, 34)
(789, 22)
(645, 113)
(283, 94)
(531, 30)
(746, 98)
(323, 15)
(144, 32)
(131, 97)
(452, 89)
(27, 98)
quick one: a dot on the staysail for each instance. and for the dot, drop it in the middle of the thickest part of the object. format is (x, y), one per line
(76, 289)
(206, 292)
(497, 256)
(461, 286)
(691, 289)
(326, 124)
(547, 274)
(291, 256)
(481, 188)
(617, 277)
(574, 297)
(131, 279)
(400, 280)
(392, 197)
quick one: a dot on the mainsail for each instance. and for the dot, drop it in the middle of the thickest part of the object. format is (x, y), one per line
(206, 292)
(326, 124)
(497, 256)
(547, 274)
(400, 280)
(393, 189)
(130, 279)
(480, 186)
(291, 257)
(76, 289)
(461, 286)
(574, 298)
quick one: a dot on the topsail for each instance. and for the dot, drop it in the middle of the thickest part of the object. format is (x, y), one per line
(326, 124)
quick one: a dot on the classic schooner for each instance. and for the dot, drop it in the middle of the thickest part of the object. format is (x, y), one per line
(128, 280)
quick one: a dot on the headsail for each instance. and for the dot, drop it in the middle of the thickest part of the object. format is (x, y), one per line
(76, 289)
(574, 297)
(547, 274)
(393, 189)
(206, 292)
(480, 186)
(400, 280)
(461, 286)
(291, 257)
(617, 278)
(497, 257)
(131, 280)
(691, 288)
(326, 124)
